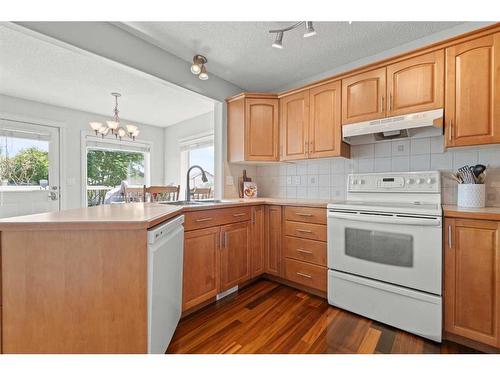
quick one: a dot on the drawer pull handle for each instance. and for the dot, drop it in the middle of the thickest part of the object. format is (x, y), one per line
(303, 230)
(304, 251)
(304, 275)
(203, 219)
(302, 214)
(240, 214)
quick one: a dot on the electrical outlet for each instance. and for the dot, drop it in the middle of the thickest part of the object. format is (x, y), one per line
(289, 180)
(297, 180)
(229, 180)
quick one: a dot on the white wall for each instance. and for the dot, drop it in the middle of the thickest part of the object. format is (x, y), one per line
(72, 123)
(326, 178)
(173, 134)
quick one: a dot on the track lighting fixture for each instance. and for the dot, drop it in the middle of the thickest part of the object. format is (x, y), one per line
(278, 42)
(198, 67)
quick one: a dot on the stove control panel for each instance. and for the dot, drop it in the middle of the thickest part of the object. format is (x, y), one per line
(395, 182)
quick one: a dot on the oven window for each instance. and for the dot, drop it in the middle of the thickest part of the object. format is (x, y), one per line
(379, 247)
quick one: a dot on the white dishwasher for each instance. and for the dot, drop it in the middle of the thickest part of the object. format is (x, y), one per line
(165, 253)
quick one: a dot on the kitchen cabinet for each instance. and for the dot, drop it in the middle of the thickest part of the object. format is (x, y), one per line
(201, 266)
(304, 247)
(472, 280)
(273, 240)
(253, 128)
(310, 124)
(234, 255)
(257, 241)
(294, 118)
(416, 84)
(363, 96)
(325, 128)
(472, 107)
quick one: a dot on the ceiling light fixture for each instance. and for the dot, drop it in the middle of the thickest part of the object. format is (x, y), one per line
(198, 68)
(113, 126)
(278, 42)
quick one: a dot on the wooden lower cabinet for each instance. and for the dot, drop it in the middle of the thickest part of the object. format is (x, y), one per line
(472, 280)
(201, 266)
(257, 243)
(234, 255)
(273, 240)
(310, 275)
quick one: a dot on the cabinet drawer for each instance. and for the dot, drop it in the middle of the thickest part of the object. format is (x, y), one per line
(306, 274)
(306, 214)
(305, 250)
(305, 230)
(211, 218)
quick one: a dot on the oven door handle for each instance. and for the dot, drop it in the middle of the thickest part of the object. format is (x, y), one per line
(387, 219)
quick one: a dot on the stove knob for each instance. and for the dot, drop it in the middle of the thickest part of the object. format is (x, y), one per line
(354, 182)
(420, 181)
(362, 182)
(410, 181)
(430, 181)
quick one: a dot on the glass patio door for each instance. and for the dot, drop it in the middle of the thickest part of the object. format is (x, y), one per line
(29, 168)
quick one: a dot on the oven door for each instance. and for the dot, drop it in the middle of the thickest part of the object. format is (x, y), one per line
(396, 248)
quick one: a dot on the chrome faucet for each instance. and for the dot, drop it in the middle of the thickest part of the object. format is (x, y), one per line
(203, 178)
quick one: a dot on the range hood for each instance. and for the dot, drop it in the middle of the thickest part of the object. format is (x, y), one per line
(415, 125)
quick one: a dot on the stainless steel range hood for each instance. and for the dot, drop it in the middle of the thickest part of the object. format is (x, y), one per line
(416, 125)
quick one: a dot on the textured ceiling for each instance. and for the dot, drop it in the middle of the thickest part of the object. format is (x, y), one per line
(241, 52)
(34, 69)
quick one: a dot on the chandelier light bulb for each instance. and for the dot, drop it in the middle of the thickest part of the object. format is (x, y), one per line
(203, 75)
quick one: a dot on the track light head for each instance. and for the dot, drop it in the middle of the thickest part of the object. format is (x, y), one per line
(309, 29)
(278, 42)
(203, 73)
(198, 62)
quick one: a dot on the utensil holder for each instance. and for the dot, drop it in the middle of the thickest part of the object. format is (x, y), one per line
(471, 195)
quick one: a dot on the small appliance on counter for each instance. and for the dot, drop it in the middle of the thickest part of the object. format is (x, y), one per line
(471, 187)
(385, 250)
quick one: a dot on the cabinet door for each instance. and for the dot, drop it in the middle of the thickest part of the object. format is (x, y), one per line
(325, 129)
(472, 109)
(416, 84)
(363, 96)
(234, 254)
(257, 241)
(201, 266)
(261, 130)
(472, 279)
(273, 240)
(294, 117)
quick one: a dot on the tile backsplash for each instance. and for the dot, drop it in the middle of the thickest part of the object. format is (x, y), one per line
(326, 178)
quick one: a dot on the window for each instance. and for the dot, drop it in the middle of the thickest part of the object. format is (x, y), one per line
(24, 156)
(110, 164)
(199, 151)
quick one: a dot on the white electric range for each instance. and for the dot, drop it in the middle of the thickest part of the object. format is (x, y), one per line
(385, 250)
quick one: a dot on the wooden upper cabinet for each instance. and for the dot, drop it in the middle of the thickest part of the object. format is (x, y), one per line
(472, 280)
(253, 128)
(294, 118)
(257, 241)
(235, 255)
(416, 84)
(363, 96)
(325, 128)
(472, 108)
(201, 266)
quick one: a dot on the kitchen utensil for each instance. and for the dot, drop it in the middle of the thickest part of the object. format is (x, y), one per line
(478, 169)
(466, 174)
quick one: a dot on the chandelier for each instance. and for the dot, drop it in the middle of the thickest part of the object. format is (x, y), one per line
(113, 126)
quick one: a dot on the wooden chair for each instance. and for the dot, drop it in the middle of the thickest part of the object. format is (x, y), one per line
(134, 194)
(201, 193)
(163, 193)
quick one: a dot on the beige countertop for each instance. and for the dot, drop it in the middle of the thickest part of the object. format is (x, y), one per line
(130, 215)
(485, 213)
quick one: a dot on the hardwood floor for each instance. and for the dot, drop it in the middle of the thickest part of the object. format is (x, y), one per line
(267, 317)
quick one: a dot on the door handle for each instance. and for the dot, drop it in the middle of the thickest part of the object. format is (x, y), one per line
(302, 214)
(303, 230)
(382, 104)
(304, 275)
(238, 215)
(203, 219)
(390, 101)
(304, 251)
(450, 130)
(449, 236)
(53, 195)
